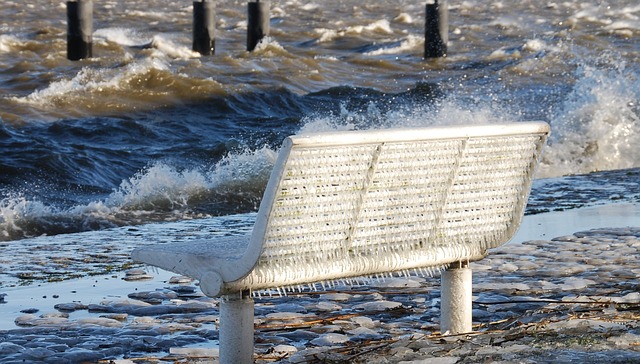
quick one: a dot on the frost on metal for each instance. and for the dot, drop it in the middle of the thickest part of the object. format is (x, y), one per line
(344, 205)
(370, 208)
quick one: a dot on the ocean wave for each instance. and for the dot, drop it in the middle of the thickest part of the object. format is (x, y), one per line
(138, 85)
(8, 43)
(160, 192)
(123, 36)
(410, 43)
(598, 125)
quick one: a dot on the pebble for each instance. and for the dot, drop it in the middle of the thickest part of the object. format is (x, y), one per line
(377, 306)
(71, 306)
(180, 280)
(330, 339)
(137, 275)
(394, 320)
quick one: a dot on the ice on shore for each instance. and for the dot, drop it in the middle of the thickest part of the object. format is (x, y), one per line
(522, 292)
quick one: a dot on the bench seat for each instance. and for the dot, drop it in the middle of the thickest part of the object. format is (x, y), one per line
(365, 203)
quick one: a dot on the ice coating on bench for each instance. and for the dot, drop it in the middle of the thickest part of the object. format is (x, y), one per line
(360, 203)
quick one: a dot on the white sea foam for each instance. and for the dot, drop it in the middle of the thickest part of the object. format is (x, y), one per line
(598, 126)
(411, 43)
(451, 110)
(172, 50)
(310, 7)
(403, 18)
(159, 188)
(621, 20)
(160, 184)
(269, 47)
(506, 22)
(8, 43)
(535, 45)
(13, 209)
(163, 186)
(624, 27)
(123, 36)
(329, 34)
(93, 80)
(379, 26)
(148, 14)
(133, 38)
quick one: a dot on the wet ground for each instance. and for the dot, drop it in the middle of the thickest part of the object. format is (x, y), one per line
(565, 289)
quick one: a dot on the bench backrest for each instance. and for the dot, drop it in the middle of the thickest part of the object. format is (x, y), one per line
(355, 203)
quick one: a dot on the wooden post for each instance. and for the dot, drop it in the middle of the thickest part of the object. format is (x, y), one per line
(79, 29)
(204, 29)
(436, 29)
(258, 23)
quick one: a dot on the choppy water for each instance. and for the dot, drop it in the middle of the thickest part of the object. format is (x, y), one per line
(149, 131)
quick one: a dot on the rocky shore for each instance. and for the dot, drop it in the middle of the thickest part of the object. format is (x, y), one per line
(573, 298)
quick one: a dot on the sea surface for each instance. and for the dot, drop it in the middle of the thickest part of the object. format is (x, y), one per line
(148, 131)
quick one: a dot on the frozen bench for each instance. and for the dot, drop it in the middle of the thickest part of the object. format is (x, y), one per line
(367, 203)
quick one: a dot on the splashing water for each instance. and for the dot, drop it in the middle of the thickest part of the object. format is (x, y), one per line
(161, 192)
(598, 126)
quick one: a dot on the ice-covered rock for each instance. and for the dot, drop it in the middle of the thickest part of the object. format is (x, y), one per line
(330, 339)
(196, 352)
(396, 282)
(377, 306)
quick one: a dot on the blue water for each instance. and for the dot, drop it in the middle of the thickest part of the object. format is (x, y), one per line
(147, 131)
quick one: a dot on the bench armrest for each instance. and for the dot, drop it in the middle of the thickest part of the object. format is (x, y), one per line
(213, 262)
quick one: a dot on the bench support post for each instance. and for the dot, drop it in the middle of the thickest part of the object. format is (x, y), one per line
(236, 328)
(455, 299)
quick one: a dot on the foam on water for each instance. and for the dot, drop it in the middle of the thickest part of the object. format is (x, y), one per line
(123, 36)
(169, 48)
(411, 43)
(161, 192)
(598, 125)
(591, 104)
(8, 43)
(92, 80)
(165, 187)
(269, 47)
(129, 37)
(382, 26)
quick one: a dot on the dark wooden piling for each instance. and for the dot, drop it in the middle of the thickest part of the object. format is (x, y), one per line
(79, 29)
(258, 23)
(204, 29)
(436, 29)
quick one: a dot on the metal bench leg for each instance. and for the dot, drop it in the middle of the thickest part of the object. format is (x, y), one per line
(236, 329)
(455, 299)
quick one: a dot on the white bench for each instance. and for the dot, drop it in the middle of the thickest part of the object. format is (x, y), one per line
(365, 203)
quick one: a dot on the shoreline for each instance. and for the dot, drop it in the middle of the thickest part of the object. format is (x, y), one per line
(553, 257)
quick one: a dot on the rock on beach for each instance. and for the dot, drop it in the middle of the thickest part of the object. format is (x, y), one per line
(573, 298)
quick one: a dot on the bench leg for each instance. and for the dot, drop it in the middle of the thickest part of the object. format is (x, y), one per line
(455, 299)
(236, 329)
